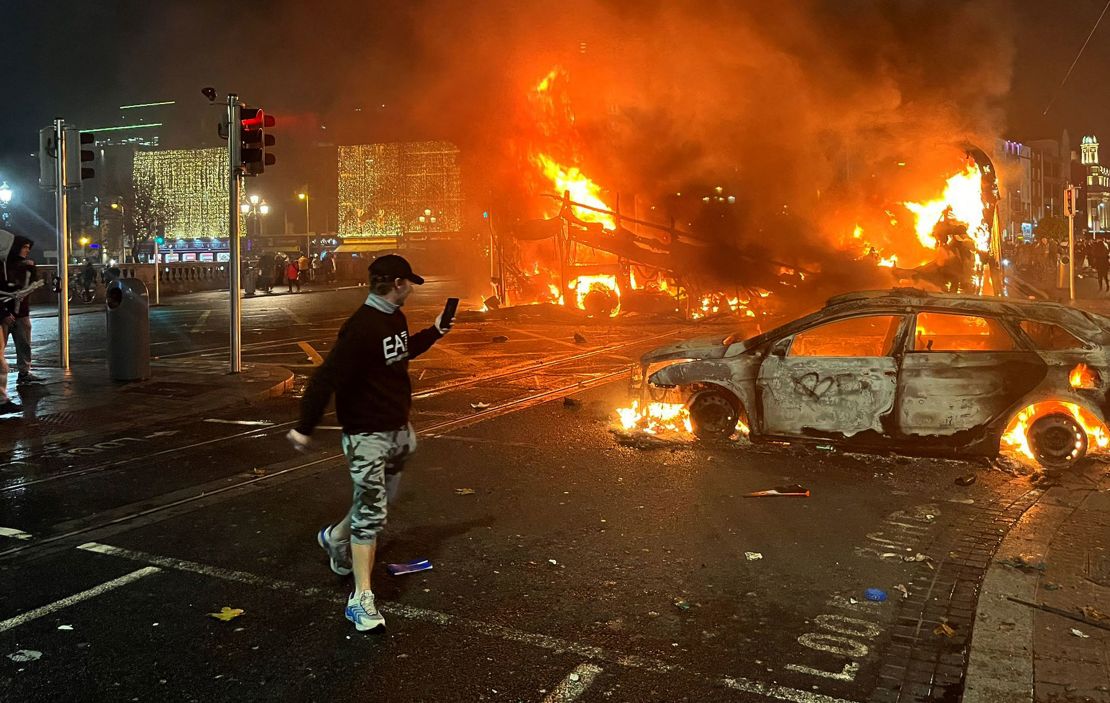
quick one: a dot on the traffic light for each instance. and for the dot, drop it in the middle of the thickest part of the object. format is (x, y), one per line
(253, 123)
(48, 153)
(77, 156)
(159, 240)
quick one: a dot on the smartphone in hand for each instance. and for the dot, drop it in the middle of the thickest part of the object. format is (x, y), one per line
(448, 315)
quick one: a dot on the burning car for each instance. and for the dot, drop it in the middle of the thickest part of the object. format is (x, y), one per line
(903, 370)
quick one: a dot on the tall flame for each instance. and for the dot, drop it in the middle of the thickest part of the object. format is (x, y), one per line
(963, 200)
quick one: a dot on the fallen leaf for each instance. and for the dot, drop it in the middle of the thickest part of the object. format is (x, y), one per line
(464, 491)
(944, 629)
(227, 613)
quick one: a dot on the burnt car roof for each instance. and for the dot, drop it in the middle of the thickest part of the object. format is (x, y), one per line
(1085, 325)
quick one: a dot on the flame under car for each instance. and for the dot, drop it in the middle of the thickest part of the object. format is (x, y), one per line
(906, 371)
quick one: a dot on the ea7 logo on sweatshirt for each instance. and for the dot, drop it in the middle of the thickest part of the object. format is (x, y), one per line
(395, 347)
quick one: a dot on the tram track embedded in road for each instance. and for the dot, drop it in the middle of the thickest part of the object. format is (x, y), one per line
(273, 471)
(438, 390)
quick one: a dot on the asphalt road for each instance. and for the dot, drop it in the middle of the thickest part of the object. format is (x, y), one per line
(567, 566)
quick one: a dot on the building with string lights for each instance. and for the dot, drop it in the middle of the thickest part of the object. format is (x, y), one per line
(390, 190)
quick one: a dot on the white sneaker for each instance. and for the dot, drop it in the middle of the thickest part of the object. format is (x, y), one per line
(299, 441)
(362, 612)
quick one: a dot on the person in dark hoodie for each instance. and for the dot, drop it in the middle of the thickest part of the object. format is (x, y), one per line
(367, 371)
(20, 273)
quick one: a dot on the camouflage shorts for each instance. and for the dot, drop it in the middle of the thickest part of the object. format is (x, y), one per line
(372, 457)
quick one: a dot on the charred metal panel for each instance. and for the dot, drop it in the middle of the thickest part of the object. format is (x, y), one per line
(843, 395)
(734, 375)
(943, 393)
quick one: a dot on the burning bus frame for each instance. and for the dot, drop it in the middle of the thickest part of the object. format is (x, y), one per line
(906, 371)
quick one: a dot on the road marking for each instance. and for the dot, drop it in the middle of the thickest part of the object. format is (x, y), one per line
(14, 533)
(295, 317)
(54, 607)
(408, 612)
(311, 353)
(248, 423)
(201, 321)
(574, 685)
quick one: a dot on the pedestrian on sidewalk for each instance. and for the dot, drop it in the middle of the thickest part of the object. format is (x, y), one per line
(367, 371)
(1099, 256)
(292, 275)
(303, 266)
(19, 274)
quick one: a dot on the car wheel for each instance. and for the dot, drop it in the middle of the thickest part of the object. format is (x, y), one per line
(713, 415)
(1057, 440)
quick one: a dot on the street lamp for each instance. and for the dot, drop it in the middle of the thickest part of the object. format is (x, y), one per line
(303, 196)
(255, 207)
(6, 195)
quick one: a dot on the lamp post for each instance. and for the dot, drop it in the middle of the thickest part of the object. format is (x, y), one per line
(303, 196)
(255, 208)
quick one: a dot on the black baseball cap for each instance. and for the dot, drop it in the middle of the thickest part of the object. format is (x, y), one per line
(391, 266)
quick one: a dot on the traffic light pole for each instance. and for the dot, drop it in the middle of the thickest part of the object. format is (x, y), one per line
(157, 272)
(62, 203)
(234, 158)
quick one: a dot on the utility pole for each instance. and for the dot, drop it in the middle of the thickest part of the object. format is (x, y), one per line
(234, 157)
(62, 202)
(1069, 210)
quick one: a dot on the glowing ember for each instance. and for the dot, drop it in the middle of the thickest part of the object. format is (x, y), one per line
(1083, 377)
(656, 418)
(603, 282)
(1016, 438)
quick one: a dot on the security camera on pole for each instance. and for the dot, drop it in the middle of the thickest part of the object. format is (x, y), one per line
(246, 155)
(61, 159)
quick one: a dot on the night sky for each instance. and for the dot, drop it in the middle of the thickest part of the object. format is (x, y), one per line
(444, 66)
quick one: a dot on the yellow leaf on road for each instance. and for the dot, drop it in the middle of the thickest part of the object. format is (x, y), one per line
(227, 613)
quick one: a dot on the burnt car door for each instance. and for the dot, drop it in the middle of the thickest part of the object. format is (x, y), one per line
(959, 372)
(834, 379)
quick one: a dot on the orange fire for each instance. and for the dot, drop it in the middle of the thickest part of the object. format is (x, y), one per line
(582, 190)
(1016, 438)
(656, 418)
(584, 284)
(963, 199)
(1083, 377)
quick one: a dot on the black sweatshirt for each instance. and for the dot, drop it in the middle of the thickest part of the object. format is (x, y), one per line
(368, 371)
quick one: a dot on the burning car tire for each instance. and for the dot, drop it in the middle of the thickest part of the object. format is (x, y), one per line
(713, 415)
(1057, 440)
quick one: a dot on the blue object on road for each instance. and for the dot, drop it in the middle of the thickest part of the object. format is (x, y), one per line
(408, 567)
(875, 594)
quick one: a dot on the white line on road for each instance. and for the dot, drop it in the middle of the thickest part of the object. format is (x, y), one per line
(574, 685)
(76, 598)
(553, 644)
(248, 423)
(201, 321)
(295, 317)
(14, 533)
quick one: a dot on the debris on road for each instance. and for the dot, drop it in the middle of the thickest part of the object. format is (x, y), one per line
(1024, 562)
(916, 557)
(1080, 634)
(227, 613)
(645, 441)
(479, 406)
(258, 472)
(901, 588)
(569, 402)
(25, 655)
(681, 604)
(408, 567)
(579, 338)
(65, 627)
(966, 480)
(552, 562)
(944, 629)
(877, 595)
(1092, 613)
(793, 490)
(1050, 586)
(464, 491)
(500, 339)
(753, 556)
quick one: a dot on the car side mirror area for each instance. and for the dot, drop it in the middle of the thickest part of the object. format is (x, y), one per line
(780, 348)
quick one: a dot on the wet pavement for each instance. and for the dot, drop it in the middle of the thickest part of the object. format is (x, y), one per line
(566, 566)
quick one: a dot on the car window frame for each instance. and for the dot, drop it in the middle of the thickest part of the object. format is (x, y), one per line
(1019, 343)
(1027, 339)
(897, 343)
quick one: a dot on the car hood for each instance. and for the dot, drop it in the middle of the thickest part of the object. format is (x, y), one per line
(697, 348)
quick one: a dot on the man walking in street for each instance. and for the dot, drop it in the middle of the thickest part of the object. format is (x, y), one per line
(367, 371)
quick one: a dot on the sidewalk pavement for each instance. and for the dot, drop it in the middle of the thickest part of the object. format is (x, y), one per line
(83, 401)
(1053, 645)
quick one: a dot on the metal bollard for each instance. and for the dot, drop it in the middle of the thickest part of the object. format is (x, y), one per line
(128, 313)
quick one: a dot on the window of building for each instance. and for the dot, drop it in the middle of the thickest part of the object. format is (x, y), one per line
(865, 336)
(1049, 337)
(947, 332)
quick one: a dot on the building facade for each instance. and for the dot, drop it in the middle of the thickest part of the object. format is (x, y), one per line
(1096, 187)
